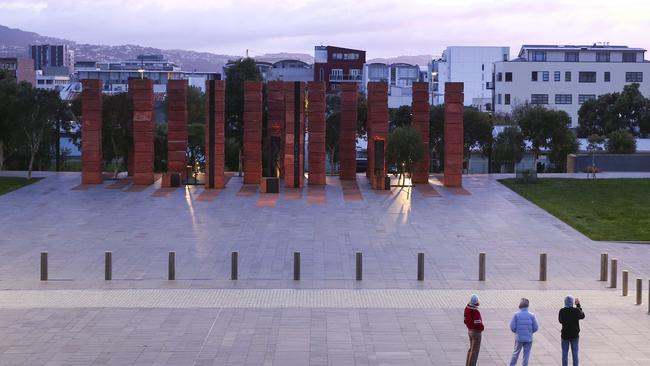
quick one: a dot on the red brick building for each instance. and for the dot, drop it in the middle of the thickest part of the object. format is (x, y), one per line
(336, 65)
(20, 68)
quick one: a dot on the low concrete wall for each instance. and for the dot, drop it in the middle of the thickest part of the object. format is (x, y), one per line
(614, 162)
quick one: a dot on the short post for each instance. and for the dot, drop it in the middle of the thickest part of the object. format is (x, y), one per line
(234, 263)
(108, 266)
(542, 266)
(625, 282)
(420, 266)
(359, 258)
(614, 279)
(481, 267)
(603, 267)
(648, 296)
(296, 266)
(43, 266)
(639, 291)
(172, 266)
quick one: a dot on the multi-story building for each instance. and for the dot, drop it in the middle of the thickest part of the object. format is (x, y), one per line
(20, 68)
(564, 77)
(398, 76)
(52, 59)
(336, 65)
(472, 65)
(51, 82)
(284, 70)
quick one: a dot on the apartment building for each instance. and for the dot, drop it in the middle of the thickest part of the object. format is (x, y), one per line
(398, 76)
(336, 65)
(52, 59)
(564, 77)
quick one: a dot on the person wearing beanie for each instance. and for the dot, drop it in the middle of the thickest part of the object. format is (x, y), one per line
(570, 317)
(523, 324)
(474, 325)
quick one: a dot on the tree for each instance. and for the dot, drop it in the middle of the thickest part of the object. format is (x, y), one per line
(196, 130)
(405, 148)
(563, 142)
(117, 129)
(594, 144)
(508, 146)
(196, 143)
(477, 131)
(362, 116)
(8, 90)
(437, 131)
(332, 135)
(160, 147)
(400, 117)
(621, 142)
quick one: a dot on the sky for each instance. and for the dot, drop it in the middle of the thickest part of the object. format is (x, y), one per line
(382, 28)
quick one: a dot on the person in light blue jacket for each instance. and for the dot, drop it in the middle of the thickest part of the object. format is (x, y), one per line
(523, 324)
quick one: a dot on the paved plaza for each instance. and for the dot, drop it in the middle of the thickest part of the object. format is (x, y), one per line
(326, 318)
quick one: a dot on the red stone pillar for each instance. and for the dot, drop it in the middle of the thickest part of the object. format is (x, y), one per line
(91, 132)
(143, 130)
(294, 143)
(377, 131)
(453, 135)
(252, 132)
(276, 117)
(420, 121)
(176, 126)
(215, 139)
(348, 131)
(316, 118)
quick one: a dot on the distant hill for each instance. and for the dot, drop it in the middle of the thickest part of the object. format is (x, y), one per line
(14, 42)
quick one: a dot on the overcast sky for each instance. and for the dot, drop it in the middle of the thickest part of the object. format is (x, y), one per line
(382, 27)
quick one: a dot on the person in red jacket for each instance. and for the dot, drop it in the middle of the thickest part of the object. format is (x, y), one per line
(474, 325)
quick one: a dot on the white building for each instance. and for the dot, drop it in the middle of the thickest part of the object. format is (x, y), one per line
(563, 77)
(471, 65)
(400, 78)
(51, 82)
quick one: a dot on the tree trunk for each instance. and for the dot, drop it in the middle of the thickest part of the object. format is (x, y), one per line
(31, 164)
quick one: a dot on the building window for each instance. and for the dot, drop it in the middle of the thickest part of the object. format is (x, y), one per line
(539, 99)
(507, 99)
(607, 76)
(482, 67)
(571, 56)
(538, 56)
(563, 99)
(322, 74)
(533, 76)
(337, 56)
(544, 75)
(567, 76)
(498, 98)
(557, 76)
(633, 77)
(337, 74)
(508, 76)
(629, 56)
(585, 97)
(602, 56)
(351, 56)
(500, 76)
(587, 77)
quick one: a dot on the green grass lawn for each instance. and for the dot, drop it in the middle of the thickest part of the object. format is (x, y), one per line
(8, 184)
(605, 209)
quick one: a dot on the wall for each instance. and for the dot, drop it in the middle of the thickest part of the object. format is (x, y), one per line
(615, 162)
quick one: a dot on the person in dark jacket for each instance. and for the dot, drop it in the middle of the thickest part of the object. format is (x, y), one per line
(570, 317)
(474, 325)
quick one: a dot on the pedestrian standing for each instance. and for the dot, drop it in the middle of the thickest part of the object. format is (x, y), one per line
(475, 327)
(570, 317)
(523, 324)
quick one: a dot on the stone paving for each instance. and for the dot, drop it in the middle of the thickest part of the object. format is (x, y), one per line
(327, 318)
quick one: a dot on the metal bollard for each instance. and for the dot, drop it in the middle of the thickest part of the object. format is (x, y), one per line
(542, 266)
(234, 264)
(614, 280)
(481, 267)
(648, 296)
(639, 291)
(296, 266)
(43, 266)
(420, 266)
(603, 267)
(108, 266)
(172, 266)
(624, 285)
(359, 258)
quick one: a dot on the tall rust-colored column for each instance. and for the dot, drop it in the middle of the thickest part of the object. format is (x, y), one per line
(316, 128)
(294, 144)
(252, 132)
(453, 135)
(276, 117)
(420, 121)
(215, 119)
(91, 132)
(143, 131)
(176, 126)
(348, 131)
(377, 132)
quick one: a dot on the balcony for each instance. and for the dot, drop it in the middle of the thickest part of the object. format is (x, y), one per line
(344, 78)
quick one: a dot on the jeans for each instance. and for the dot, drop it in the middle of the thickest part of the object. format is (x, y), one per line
(574, 351)
(474, 347)
(515, 354)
